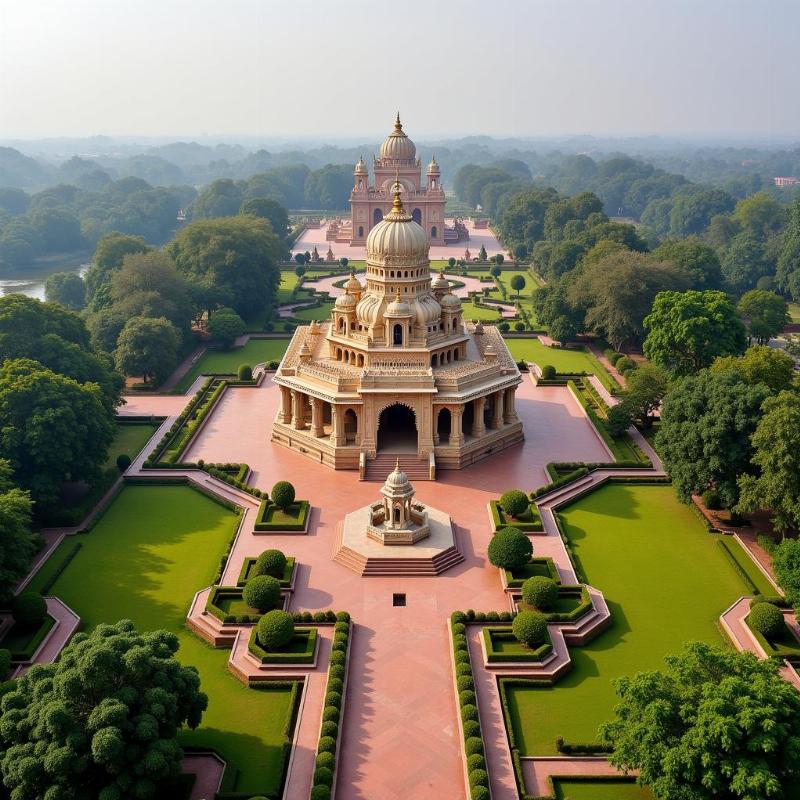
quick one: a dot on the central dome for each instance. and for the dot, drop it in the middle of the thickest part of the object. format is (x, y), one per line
(397, 145)
(397, 236)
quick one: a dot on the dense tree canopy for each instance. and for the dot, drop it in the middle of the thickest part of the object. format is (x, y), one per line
(788, 273)
(18, 544)
(765, 314)
(234, 258)
(716, 724)
(108, 255)
(101, 722)
(66, 288)
(695, 258)
(149, 347)
(760, 364)
(776, 446)
(645, 388)
(688, 330)
(707, 420)
(269, 209)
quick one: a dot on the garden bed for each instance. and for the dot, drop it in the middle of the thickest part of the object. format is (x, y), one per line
(228, 606)
(24, 642)
(528, 522)
(286, 581)
(785, 647)
(501, 646)
(270, 518)
(543, 567)
(301, 649)
(572, 603)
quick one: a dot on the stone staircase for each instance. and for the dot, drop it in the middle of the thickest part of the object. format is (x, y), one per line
(380, 466)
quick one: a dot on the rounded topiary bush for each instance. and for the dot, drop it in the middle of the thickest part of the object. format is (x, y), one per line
(466, 697)
(282, 494)
(275, 629)
(29, 609)
(244, 373)
(504, 327)
(329, 728)
(476, 762)
(478, 777)
(479, 793)
(711, 499)
(326, 759)
(473, 745)
(469, 712)
(333, 699)
(321, 792)
(123, 462)
(262, 592)
(324, 776)
(529, 628)
(510, 549)
(472, 728)
(766, 619)
(335, 685)
(270, 562)
(548, 372)
(540, 592)
(465, 682)
(330, 714)
(519, 327)
(327, 744)
(514, 502)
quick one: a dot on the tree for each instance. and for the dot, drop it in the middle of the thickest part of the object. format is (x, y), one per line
(18, 545)
(617, 293)
(704, 440)
(225, 326)
(715, 724)
(697, 260)
(776, 452)
(119, 698)
(760, 364)
(645, 388)
(149, 347)
(66, 288)
(221, 198)
(786, 563)
(686, 331)
(495, 271)
(235, 257)
(518, 283)
(554, 310)
(691, 213)
(59, 228)
(765, 314)
(299, 270)
(509, 548)
(743, 263)
(108, 256)
(788, 267)
(482, 254)
(268, 209)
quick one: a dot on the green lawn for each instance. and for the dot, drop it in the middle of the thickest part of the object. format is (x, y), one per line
(581, 790)
(130, 439)
(794, 311)
(564, 360)
(228, 361)
(144, 560)
(666, 581)
(484, 314)
(320, 313)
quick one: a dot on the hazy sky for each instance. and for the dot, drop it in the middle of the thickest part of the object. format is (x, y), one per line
(328, 69)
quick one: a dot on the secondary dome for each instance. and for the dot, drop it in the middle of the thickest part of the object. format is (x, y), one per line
(361, 167)
(397, 236)
(397, 479)
(441, 283)
(353, 284)
(398, 308)
(450, 301)
(397, 145)
(434, 165)
(345, 301)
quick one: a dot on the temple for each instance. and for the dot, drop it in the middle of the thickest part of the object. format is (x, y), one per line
(370, 203)
(397, 371)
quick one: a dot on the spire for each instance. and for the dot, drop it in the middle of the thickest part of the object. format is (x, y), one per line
(398, 126)
(397, 462)
(397, 205)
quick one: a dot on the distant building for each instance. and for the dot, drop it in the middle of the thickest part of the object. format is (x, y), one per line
(786, 181)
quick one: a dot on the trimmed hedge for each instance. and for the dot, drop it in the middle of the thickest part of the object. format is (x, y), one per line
(509, 548)
(249, 565)
(545, 563)
(305, 637)
(491, 636)
(267, 508)
(500, 520)
(29, 610)
(766, 619)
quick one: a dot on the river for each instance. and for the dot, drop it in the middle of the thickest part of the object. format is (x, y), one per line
(31, 281)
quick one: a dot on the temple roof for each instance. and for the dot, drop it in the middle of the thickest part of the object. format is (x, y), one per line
(397, 145)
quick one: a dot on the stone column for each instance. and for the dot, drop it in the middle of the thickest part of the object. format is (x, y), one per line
(337, 434)
(316, 417)
(478, 425)
(298, 410)
(456, 434)
(436, 412)
(497, 410)
(286, 406)
(510, 414)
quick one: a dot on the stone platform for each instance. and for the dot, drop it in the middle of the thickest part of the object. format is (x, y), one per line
(432, 556)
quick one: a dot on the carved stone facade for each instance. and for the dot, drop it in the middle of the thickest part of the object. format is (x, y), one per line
(397, 369)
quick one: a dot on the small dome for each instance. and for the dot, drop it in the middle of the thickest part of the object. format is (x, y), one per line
(398, 308)
(433, 166)
(397, 145)
(361, 167)
(397, 236)
(345, 301)
(353, 284)
(450, 301)
(441, 283)
(397, 479)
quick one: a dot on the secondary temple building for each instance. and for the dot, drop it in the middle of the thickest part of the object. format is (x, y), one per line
(369, 203)
(397, 371)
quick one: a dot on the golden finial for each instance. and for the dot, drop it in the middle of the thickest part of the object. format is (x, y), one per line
(397, 205)
(397, 124)
(397, 464)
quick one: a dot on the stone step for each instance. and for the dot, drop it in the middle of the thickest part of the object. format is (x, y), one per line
(379, 467)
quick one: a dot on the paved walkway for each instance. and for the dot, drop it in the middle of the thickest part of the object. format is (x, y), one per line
(67, 622)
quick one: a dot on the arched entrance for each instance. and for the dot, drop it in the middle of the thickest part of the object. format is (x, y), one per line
(416, 215)
(350, 426)
(377, 216)
(443, 423)
(397, 430)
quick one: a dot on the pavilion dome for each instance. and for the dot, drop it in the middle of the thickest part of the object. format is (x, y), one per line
(433, 166)
(345, 301)
(361, 167)
(450, 301)
(398, 308)
(397, 145)
(397, 479)
(441, 283)
(353, 284)
(397, 236)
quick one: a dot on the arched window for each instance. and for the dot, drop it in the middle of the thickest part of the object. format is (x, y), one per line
(416, 215)
(434, 360)
(433, 232)
(360, 231)
(398, 334)
(396, 514)
(454, 324)
(341, 323)
(377, 216)
(405, 274)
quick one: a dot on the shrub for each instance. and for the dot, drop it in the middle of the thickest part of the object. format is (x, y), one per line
(504, 327)
(614, 357)
(320, 792)
(548, 372)
(468, 712)
(262, 592)
(329, 728)
(5, 663)
(327, 744)
(244, 373)
(282, 494)
(335, 685)
(478, 777)
(333, 699)
(619, 419)
(472, 728)
(510, 549)
(625, 365)
(29, 609)
(540, 592)
(530, 628)
(476, 762)
(465, 682)
(766, 619)
(479, 793)
(473, 745)
(514, 502)
(123, 462)
(330, 714)
(324, 758)
(519, 327)
(323, 776)
(466, 697)
(275, 629)
(270, 562)
(711, 499)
